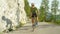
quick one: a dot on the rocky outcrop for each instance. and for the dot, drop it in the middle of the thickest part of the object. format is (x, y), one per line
(11, 12)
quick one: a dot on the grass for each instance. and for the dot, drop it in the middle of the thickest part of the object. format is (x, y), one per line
(1, 33)
(22, 24)
(54, 23)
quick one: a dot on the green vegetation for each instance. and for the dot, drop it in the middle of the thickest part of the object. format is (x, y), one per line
(54, 10)
(1, 32)
(43, 10)
(27, 7)
(22, 24)
(45, 15)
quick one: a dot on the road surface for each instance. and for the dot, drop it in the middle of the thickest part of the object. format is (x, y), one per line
(42, 28)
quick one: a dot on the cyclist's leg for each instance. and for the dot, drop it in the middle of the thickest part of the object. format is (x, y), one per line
(36, 21)
(33, 23)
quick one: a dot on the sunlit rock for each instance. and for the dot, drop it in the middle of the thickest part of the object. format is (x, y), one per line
(12, 10)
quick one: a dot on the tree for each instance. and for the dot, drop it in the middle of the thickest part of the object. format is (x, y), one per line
(43, 9)
(27, 7)
(54, 9)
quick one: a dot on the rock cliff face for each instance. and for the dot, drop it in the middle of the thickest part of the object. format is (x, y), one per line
(11, 12)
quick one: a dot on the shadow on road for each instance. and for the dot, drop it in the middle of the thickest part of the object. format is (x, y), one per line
(39, 26)
(46, 26)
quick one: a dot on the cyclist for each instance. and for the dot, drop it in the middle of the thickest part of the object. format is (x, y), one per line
(34, 16)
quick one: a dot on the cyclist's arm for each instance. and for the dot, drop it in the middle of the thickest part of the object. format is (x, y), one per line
(37, 12)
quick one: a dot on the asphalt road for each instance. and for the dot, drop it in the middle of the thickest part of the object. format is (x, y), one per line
(42, 28)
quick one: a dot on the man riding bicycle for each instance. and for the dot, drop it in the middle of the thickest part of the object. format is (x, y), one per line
(34, 16)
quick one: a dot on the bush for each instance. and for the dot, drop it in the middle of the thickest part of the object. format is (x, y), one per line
(57, 19)
(41, 17)
(49, 17)
(21, 24)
